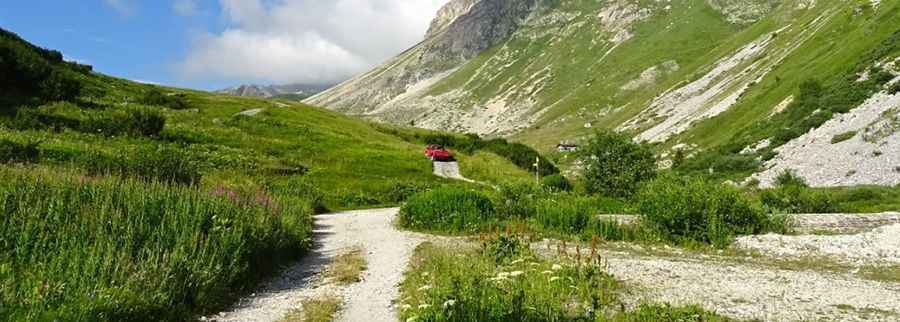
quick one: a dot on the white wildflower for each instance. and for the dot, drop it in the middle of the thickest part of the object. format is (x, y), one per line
(425, 287)
(516, 273)
(517, 261)
(449, 303)
(547, 272)
(554, 279)
(556, 267)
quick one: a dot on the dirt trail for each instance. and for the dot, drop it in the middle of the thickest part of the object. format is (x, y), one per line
(449, 170)
(387, 252)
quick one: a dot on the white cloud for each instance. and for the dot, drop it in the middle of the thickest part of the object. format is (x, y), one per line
(185, 7)
(123, 7)
(306, 41)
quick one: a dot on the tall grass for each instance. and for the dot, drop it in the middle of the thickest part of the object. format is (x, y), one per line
(448, 209)
(467, 285)
(80, 249)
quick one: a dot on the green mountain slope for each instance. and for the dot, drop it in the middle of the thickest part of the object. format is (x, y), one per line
(130, 202)
(692, 74)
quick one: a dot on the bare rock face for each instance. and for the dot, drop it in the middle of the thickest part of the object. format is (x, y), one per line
(448, 14)
(462, 30)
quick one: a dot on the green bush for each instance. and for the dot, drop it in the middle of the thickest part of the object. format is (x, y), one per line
(565, 213)
(556, 183)
(517, 200)
(519, 154)
(159, 164)
(689, 209)
(120, 250)
(401, 191)
(18, 152)
(792, 195)
(447, 209)
(615, 165)
(133, 121)
(156, 97)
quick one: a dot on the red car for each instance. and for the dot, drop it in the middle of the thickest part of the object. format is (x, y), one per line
(438, 153)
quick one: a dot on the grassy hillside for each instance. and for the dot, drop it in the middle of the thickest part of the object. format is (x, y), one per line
(125, 201)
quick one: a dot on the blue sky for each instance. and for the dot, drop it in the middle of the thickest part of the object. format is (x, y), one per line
(211, 44)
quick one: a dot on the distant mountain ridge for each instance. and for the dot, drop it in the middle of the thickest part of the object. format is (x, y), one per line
(722, 78)
(297, 91)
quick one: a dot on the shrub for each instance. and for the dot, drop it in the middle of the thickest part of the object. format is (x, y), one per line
(154, 96)
(503, 248)
(556, 183)
(792, 195)
(565, 213)
(401, 191)
(517, 200)
(615, 165)
(448, 209)
(684, 209)
(18, 152)
(133, 121)
(159, 164)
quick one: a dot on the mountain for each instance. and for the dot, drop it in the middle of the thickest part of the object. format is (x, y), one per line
(720, 81)
(291, 91)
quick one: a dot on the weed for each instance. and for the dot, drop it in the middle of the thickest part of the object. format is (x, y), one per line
(348, 266)
(843, 137)
(448, 209)
(318, 309)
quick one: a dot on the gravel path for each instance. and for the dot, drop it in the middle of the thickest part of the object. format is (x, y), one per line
(387, 252)
(747, 291)
(449, 170)
(878, 247)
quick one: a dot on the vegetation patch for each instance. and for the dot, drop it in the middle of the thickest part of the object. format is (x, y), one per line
(519, 154)
(319, 309)
(843, 137)
(348, 267)
(14, 152)
(691, 209)
(448, 209)
(615, 165)
(471, 285)
(792, 195)
(78, 249)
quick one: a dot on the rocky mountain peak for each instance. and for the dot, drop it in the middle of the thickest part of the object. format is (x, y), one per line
(448, 14)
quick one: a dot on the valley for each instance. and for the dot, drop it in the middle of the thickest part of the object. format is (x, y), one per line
(527, 160)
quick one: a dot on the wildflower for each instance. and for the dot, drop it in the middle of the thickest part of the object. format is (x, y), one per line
(449, 303)
(516, 273)
(556, 267)
(517, 261)
(425, 274)
(405, 307)
(554, 279)
(502, 275)
(547, 272)
(424, 306)
(425, 287)
(412, 319)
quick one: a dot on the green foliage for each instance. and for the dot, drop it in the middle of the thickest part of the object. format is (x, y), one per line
(719, 161)
(894, 89)
(33, 75)
(401, 191)
(517, 200)
(133, 121)
(503, 248)
(556, 183)
(119, 250)
(685, 209)
(843, 137)
(463, 285)
(792, 195)
(615, 165)
(160, 164)
(447, 209)
(18, 152)
(156, 97)
(565, 213)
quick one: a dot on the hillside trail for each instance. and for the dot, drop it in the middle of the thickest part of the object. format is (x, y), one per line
(449, 170)
(386, 250)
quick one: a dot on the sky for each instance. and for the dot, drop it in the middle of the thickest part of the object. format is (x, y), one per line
(212, 44)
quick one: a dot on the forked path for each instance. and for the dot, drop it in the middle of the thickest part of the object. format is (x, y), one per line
(387, 252)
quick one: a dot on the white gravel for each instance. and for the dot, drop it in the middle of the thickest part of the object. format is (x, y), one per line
(880, 246)
(387, 252)
(747, 291)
